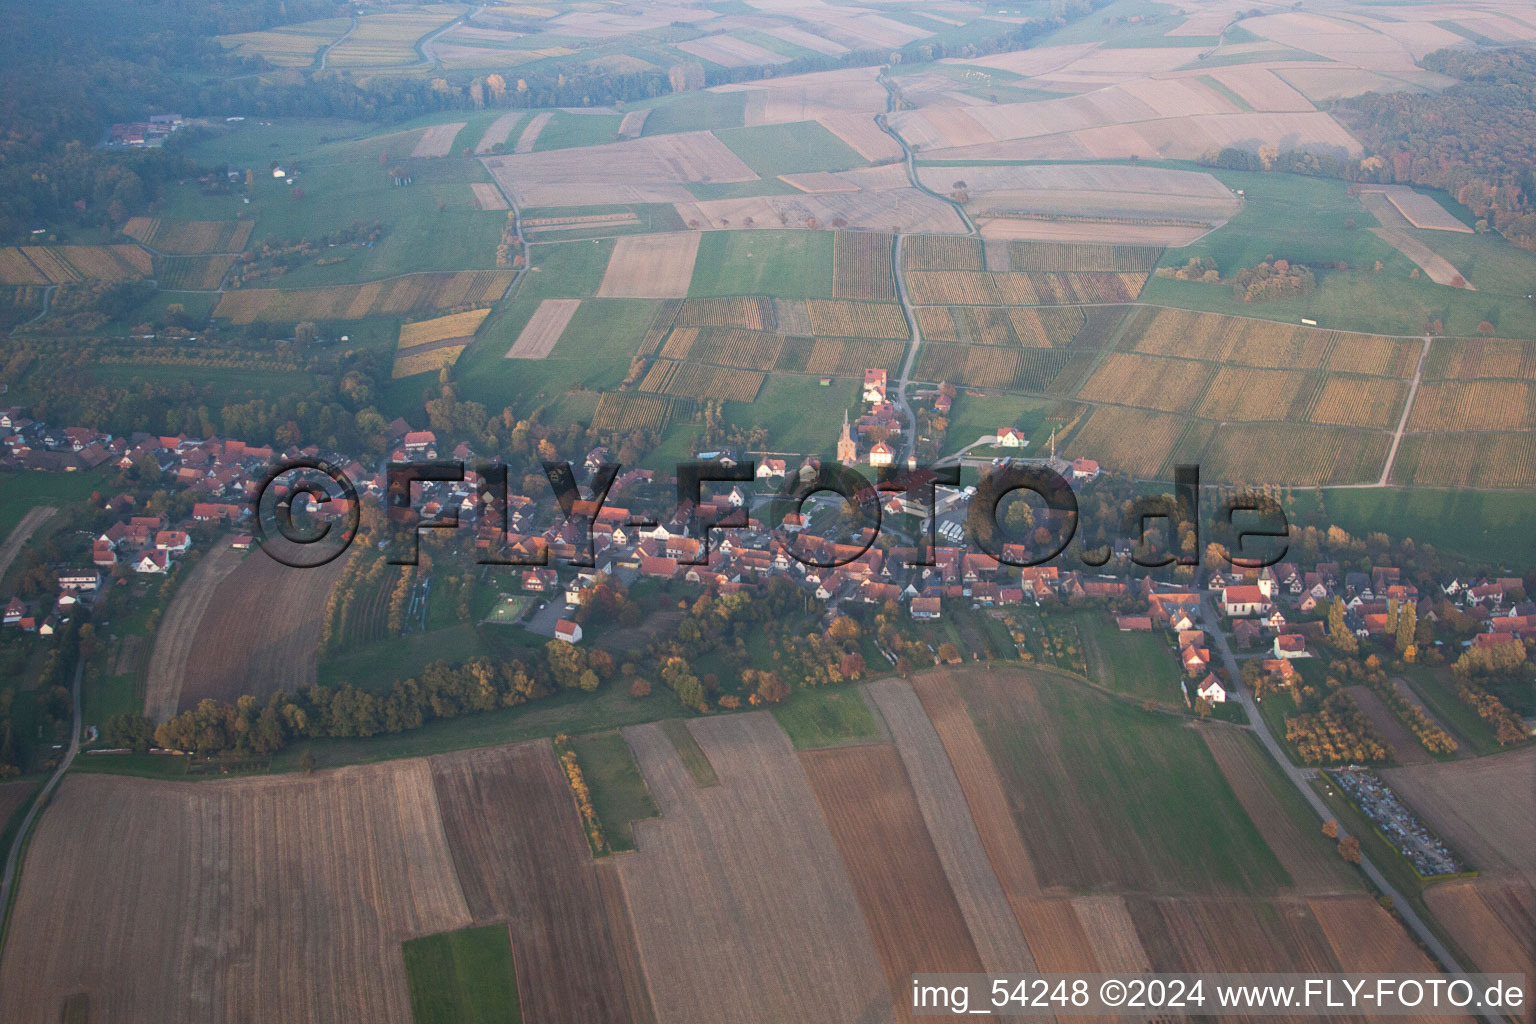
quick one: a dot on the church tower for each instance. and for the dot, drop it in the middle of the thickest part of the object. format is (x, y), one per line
(847, 451)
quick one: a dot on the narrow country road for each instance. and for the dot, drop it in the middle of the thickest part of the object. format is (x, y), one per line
(13, 858)
(1299, 778)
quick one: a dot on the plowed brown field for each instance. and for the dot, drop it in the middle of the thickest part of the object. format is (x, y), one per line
(910, 909)
(742, 907)
(177, 634)
(282, 899)
(523, 858)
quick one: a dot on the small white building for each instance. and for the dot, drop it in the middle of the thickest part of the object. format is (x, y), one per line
(568, 631)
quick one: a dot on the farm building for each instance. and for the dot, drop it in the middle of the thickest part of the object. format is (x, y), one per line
(568, 631)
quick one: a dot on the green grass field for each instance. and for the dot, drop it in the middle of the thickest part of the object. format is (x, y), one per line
(566, 131)
(21, 492)
(1307, 220)
(619, 793)
(799, 414)
(1107, 794)
(795, 148)
(971, 417)
(1486, 526)
(463, 977)
(1139, 665)
(827, 718)
(784, 264)
(691, 111)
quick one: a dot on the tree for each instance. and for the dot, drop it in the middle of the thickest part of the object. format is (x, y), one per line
(308, 762)
(1485, 328)
(1338, 631)
(639, 688)
(1331, 829)
(948, 652)
(1349, 849)
(1407, 626)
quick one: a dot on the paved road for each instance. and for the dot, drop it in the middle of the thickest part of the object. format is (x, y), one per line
(1299, 778)
(13, 859)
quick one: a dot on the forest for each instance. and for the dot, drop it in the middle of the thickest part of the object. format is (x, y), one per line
(1476, 140)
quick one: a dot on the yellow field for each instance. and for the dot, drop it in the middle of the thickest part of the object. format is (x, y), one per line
(1225, 339)
(421, 360)
(861, 266)
(842, 319)
(1294, 453)
(1466, 460)
(1249, 393)
(192, 273)
(982, 366)
(1473, 405)
(753, 313)
(694, 380)
(458, 325)
(724, 346)
(293, 46)
(1081, 256)
(66, 264)
(1379, 357)
(1047, 328)
(1133, 441)
(1152, 382)
(17, 269)
(190, 237)
(384, 39)
(624, 411)
(845, 356)
(954, 287)
(1478, 358)
(936, 324)
(1360, 402)
(413, 294)
(941, 252)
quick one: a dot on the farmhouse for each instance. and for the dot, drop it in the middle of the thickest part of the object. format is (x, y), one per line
(1242, 601)
(568, 631)
(153, 562)
(880, 454)
(1084, 469)
(1212, 690)
(1291, 645)
(1011, 437)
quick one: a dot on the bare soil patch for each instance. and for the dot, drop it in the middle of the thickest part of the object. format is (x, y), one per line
(177, 635)
(651, 266)
(538, 336)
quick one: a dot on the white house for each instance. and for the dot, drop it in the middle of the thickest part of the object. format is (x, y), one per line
(1243, 600)
(568, 631)
(1011, 437)
(156, 562)
(1212, 690)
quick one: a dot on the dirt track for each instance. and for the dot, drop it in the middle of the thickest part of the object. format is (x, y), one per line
(29, 523)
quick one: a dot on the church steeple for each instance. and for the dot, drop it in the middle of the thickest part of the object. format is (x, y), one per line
(847, 450)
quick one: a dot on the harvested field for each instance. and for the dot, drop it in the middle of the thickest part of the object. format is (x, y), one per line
(1110, 930)
(411, 295)
(282, 898)
(1216, 935)
(1059, 256)
(960, 797)
(1420, 210)
(1494, 921)
(878, 207)
(1133, 441)
(651, 266)
(487, 196)
(176, 636)
(15, 268)
(633, 124)
(1477, 806)
(268, 618)
(497, 133)
(424, 358)
(1313, 867)
(1151, 382)
(1364, 937)
(1088, 231)
(1302, 454)
(1467, 460)
(1261, 88)
(437, 140)
(730, 52)
(863, 136)
(531, 131)
(1473, 405)
(650, 169)
(862, 268)
(1436, 267)
(521, 855)
(728, 871)
(911, 911)
(539, 335)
